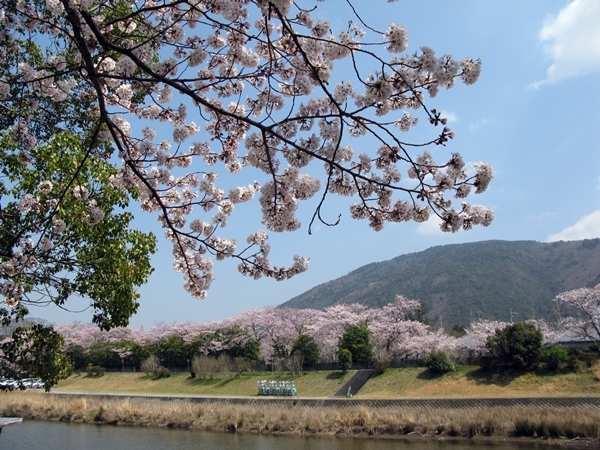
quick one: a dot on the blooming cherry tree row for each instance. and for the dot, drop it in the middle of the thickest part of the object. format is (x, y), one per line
(275, 329)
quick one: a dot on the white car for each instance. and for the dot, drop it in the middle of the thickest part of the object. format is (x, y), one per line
(8, 383)
(31, 383)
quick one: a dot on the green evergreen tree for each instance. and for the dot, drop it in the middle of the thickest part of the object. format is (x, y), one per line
(518, 346)
(357, 340)
(307, 347)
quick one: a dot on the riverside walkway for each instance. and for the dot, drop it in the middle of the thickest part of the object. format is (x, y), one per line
(329, 402)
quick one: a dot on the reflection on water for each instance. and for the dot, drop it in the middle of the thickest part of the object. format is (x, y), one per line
(31, 435)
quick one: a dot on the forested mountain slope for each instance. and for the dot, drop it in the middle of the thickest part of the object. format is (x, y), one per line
(462, 282)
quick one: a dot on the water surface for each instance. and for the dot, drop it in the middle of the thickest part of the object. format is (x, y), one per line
(31, 435)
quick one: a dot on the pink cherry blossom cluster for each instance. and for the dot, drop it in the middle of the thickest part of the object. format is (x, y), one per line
(402, 337)
(260, 78)
(392, 330)
(579, 312)
(478, 332)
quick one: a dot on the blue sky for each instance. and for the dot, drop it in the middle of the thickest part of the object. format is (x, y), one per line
(533, 115)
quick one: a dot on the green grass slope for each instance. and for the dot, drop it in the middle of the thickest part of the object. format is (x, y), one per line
(411, 382)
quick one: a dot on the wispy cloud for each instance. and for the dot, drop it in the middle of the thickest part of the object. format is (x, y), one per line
(449, 115)
(587, 227)
(479, 123)
(431, 227)
(572, 40)
(541, 217)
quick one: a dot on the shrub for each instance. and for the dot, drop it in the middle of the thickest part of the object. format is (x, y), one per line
(149, 365)
(95, 371)
(381, 366)
(517, 346)
(162, 372)
(553, 357)
(99, 415)
(382, 359)
(439, 362)
(241, 365)
(580, 360)
(294, 363)
(588, 358)
(344, 359)
(203, 366)
(224, 365)
(209, 367)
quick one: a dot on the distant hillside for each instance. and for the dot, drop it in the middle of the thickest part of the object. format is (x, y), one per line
(465, 281)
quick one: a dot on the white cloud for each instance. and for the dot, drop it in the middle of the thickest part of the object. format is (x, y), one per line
(432, 226)
(449, 115)
(479, 123)
(572, 41)
(587, 227)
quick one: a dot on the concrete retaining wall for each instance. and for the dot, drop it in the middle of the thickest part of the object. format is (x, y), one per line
(299, 402)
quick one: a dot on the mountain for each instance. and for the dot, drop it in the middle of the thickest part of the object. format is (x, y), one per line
(462, 282)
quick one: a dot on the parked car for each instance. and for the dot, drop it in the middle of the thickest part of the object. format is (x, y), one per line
(31, 383)
(8, 383)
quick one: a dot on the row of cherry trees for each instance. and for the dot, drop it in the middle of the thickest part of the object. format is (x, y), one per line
(268, 333)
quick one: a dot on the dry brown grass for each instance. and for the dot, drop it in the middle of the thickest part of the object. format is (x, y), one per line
(596, 372)
(499, 422)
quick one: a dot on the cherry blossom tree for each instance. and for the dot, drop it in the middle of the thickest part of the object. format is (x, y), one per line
(477, 333)
(251, 321)
(329, 326)
(391, 324)
(123, 353)
(552, 332)
(583, 309)
(396, 332)
(422, 344)
(246, 87)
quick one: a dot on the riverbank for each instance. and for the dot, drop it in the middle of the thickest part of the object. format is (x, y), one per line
(428, 418)
(568, 426)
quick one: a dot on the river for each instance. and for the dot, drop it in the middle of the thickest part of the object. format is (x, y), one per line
(43, 435)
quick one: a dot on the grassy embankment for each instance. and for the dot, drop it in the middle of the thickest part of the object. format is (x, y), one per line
(405, 383)
(313, 384)
(414, 382)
